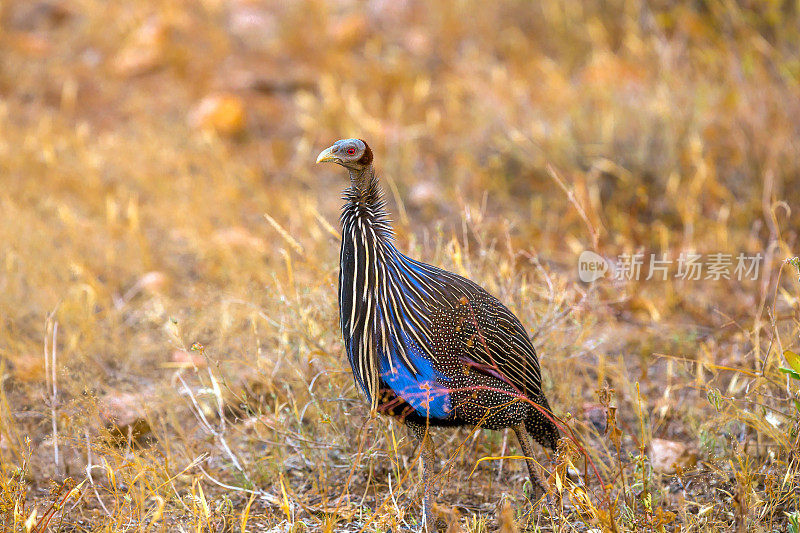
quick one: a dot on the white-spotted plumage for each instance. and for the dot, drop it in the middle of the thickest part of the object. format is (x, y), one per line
(424, 321)
(425, 345)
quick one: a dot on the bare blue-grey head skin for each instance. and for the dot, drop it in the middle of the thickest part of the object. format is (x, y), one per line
(356, 157)
(353, 154)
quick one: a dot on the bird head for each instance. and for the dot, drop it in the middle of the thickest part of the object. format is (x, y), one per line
(353, 154)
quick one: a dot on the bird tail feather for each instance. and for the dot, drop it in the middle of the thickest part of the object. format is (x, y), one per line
(542, 428)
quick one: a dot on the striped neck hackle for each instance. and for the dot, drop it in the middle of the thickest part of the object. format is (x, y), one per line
(365, 202)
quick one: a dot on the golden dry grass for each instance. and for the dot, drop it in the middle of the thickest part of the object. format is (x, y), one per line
(183, 262)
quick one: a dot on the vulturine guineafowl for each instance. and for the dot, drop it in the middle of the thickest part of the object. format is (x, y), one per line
(427, 346)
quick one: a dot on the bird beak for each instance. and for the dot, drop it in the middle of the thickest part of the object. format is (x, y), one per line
(327, 155)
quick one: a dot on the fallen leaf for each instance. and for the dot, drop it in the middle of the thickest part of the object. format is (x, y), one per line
(453, 522)
(185, 359)
(30, 44)
(222, 113)
(123, 414)
(349, 30)
(666, 455)
(29, 368)
(150, 282)
(506, 519)
(143, 51)
(239, 237)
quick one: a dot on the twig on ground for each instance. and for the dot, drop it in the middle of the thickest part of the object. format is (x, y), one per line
(50, 362)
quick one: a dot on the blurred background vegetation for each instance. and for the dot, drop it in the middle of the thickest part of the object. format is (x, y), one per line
(169, 347)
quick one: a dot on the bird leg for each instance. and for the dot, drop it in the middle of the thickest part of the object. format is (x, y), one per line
(421, 433)
(540, 484)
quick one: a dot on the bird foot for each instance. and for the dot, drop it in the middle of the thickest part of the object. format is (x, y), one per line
(539, 499)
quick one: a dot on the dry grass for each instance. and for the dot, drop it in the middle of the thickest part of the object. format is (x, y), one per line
(128, 234)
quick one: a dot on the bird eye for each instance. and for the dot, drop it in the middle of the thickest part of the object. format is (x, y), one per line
(351, 151)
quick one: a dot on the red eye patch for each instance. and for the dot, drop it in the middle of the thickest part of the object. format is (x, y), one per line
(351, 151)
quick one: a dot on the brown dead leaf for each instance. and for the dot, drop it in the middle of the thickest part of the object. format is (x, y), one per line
(149, 282)
(349, 30)
(239, 237)
(453, 522)
(506, 519)
(30, 44)
(186, 359)
(123, 414)
(223, 113)
(666, 455)
(143, 51)
(29, 368)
